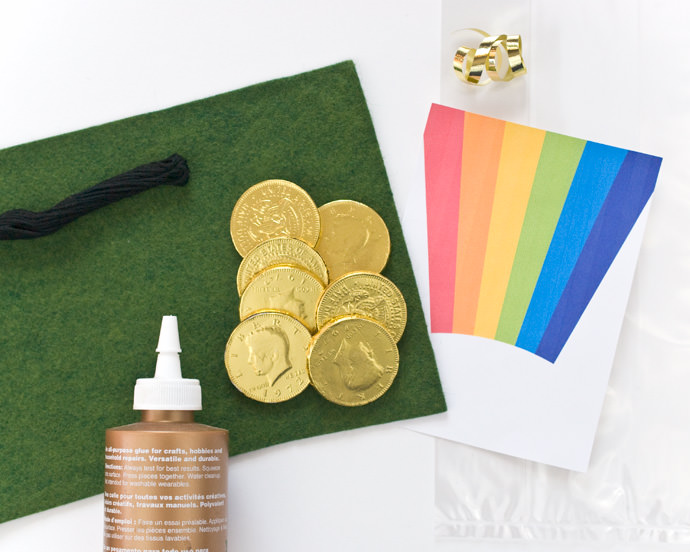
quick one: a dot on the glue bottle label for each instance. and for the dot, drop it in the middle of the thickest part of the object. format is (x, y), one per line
(165, 491)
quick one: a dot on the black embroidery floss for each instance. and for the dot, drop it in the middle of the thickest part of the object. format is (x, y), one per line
(21, 224)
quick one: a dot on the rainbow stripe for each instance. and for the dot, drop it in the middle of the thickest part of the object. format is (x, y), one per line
(523, 225)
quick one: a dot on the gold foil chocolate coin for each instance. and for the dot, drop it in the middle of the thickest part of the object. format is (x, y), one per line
(273, 209)
(353, 237)
(368, 294)
(266, 357)
(352, 361)
(283, 288)
(276, 251)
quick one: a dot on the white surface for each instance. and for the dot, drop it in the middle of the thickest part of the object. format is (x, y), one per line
(71, 64)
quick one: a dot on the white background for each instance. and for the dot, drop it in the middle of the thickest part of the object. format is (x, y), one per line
(612, 71)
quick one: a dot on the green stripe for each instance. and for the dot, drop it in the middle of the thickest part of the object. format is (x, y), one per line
(559, 158)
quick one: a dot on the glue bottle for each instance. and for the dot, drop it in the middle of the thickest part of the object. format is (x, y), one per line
(166, 476)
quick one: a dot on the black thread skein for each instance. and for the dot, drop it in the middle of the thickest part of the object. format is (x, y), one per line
(21, 224)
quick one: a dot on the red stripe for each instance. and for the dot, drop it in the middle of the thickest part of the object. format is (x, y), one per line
(442, 165)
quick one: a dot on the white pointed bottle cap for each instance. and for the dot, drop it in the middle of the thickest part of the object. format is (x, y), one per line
(169, 338)
(168, 390)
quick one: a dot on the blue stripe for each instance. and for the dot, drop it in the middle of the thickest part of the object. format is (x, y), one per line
(628, 196)
(593, 178)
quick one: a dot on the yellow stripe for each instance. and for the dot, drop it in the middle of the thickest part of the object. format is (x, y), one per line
(517, 166)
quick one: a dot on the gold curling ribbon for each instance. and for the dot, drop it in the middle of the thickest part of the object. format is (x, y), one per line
(470, 63)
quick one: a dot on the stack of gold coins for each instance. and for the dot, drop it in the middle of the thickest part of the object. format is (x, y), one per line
(314, 307)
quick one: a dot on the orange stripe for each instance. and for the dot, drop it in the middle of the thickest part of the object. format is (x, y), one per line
(482, 141)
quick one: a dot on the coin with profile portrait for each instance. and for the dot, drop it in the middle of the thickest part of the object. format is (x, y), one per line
(266, 357)
(354, 237)
(273, 209)
(366, 293)
(352, 361)
(283, 288)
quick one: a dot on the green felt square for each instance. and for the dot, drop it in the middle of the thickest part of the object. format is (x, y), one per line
(81, 308)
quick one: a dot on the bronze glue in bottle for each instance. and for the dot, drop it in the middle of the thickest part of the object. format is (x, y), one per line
(166, 476)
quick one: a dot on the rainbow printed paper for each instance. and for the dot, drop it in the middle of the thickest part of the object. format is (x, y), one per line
(523, 225)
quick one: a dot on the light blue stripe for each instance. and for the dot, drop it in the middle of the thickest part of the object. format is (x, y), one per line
(595, 173)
